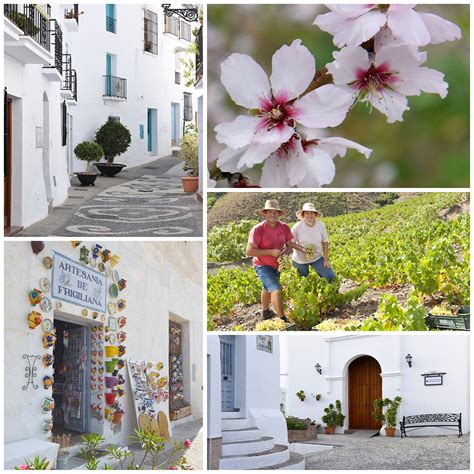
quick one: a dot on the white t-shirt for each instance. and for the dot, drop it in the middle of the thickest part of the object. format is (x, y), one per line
(309, 236)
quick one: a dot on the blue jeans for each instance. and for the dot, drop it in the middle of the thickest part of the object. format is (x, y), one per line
(269, 276)
(318, 266)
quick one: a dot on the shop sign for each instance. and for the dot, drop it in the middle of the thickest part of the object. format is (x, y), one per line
(434, 378)
(77, 284)
(265, 343)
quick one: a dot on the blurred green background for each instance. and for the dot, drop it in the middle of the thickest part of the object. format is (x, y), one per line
(430, 148)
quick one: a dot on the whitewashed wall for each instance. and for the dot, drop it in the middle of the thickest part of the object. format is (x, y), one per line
(214, 388)
(434, 352)
(162, 278)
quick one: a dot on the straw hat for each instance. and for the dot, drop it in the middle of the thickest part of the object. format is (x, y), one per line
(271, 205)
(308, 206)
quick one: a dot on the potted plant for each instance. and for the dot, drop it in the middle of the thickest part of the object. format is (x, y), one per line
(114, 138)
(317, 397)
(189, 154)
(88, 151)
(333, 417)
(385, 412)
(301, 395)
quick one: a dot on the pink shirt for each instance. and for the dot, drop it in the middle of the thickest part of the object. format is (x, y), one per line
(266, 237)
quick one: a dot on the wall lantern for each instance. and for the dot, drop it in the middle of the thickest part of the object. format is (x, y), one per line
(409, 359)
(85, 255)
(318, 368)
(190, 14)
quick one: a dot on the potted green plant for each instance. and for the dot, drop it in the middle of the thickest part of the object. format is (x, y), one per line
(385, 412)
(89, 152)
(301, 395)
(188, 153)
(114, 138)
(333, 417)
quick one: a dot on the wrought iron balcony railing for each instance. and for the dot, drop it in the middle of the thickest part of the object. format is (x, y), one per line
(57, 35)
(74, 84)
(32, 20)
(115, 87)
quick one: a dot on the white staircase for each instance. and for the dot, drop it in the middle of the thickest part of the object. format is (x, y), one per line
(244, 447)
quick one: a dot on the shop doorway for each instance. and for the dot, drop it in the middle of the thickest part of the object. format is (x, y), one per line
(227, 372)
(71, 389)
(365, 386)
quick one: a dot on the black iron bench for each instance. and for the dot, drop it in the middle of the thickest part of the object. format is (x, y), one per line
(449, 421)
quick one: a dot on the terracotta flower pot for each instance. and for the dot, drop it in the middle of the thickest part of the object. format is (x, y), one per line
(110, 398)
(390, 431)
(117, 417)
(329, 429)
(190, 183)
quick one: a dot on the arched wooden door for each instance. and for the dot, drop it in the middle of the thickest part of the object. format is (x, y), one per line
(365, 386)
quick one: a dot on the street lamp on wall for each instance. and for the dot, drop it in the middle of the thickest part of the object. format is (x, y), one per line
(409, 359)
(318, 368)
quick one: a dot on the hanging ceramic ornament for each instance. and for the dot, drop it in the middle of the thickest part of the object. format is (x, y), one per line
(58, 305)
(48, 262)
(34, 319)
(46, 305)
(47, 325)
(101, 267)
(49, 340)
(96, 251)
(84, 312)
(47, 404)
(45, 284)
(48, 381)
(105, 255)
(122, 283)
(47, 425)
(112, 307)
(114, 260)
(113, 290)
(93, 263)
(116, 276)
(37, 246)
(48, 360)
(35, 296)
(121, 304)
(76, 243)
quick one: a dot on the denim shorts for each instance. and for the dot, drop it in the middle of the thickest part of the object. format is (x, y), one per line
(318, 266)
(269, 276)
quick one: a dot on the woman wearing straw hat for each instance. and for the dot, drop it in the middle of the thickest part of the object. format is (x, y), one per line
(311, 233)
(267, 241)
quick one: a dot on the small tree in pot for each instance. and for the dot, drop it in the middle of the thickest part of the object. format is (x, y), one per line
(189, 154)
(114, 138)
(385, 412)
(333, 417)
(89, 152)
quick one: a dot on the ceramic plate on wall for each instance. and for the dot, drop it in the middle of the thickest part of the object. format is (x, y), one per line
(101, 267)
(109, 272)
(47, 325)
(46, 305)
(115, 276)
(45, 284)
(112, 307)
(48, 262)
(112, 338)
(113, 290)
(93, 262)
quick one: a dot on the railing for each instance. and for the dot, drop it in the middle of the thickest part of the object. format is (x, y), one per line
(57, 34)
(115, 87)
(69, 76)
(111, 24)
(33, 21)
(74, 84)
(199, 56)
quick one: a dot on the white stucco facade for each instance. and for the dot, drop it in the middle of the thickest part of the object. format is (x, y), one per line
(142, 92)
(443, 353)
(163, 284)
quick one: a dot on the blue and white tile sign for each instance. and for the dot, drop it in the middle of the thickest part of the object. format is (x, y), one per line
(77, 284)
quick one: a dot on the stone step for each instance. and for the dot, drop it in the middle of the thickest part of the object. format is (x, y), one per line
(231, 414)
(279, 454)
(295, 463)
(247, 434)
(248, 447)
(235, 423)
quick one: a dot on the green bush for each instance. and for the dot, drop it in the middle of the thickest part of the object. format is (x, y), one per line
(294, 424)
(385, 411)
(189, 153)
(88, 151)
(114, 138)
(386, 198)
(333, 415)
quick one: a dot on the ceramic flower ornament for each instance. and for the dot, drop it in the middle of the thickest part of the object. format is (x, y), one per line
(386, 78)
(357, 23)
(276, 106)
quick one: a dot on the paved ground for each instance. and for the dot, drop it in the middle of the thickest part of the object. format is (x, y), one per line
(381, 453)
(146, 201)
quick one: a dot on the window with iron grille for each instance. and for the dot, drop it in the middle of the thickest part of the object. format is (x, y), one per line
(188, 107)
(64, 124)
(150, 31)
(185, 30)
(171, 25)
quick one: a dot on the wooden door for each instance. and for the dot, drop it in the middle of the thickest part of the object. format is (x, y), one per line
(365, 386)
(7, 163)
(227, 373)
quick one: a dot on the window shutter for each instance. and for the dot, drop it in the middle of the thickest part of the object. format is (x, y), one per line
(64, 124)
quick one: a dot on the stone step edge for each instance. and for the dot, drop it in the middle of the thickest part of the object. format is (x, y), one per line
(253, 428)
(295, 458)
(264, 438)
(279, 448)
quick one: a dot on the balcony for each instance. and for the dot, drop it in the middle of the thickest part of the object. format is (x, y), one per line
(115, 88)
(27, 33)
(54, 71)
(69, 83)
(71, 18)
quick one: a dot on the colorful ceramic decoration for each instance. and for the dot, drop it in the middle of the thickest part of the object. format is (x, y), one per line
(102, 317)
(76, 243)
(47, 405)
(48, 381)
(48, 262)
(45, 284)
(120, 391)
(113, 290)
(105, 255)
(84, 312)
(111, 338)
(112, 307)
(122, 320)
(121, 304)
(95, 314)
(101, 267)
(121, 350)
(122, 284)
(46, 305)
(120, 379)
(93, 263)
(96, 251)
(59, 305)
(114, 260)
(49, 339)
(48, 360)
(84, 255)
(37, 246)
(121, 364)
(35, 296)
(34, 319)
(47, 425)
(111, 351)
(115, 276)
(109, 272)
(122, 335)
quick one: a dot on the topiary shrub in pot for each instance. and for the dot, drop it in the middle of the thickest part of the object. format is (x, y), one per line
(333, 417)
(114, 138)
(89, 152)
(385, 412)
(188, 153)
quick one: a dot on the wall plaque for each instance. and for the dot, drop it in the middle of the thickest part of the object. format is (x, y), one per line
(265, 343)
(435, 378)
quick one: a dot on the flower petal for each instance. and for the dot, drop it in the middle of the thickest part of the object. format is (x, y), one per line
(391, 104)
(399, 58)
(326, 106)
(228, 160)
(337, 146)
(293, 69)
(320, 169)
(347, 61)
(279, 134)
(256, 153)
(423, 79)
(244, 79)
(238, 133)
(440, 29)
(349, 10)
(274, 173)
(408, 25)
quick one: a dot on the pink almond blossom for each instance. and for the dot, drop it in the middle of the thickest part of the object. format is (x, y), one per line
(187, 443)
(274, 104)
(354, 24)
(385, 79)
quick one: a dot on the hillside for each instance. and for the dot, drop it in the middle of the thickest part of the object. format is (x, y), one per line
(244, 205)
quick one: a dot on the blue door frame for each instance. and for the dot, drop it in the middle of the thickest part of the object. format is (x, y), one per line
(227, 372)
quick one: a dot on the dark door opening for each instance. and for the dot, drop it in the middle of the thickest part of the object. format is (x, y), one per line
(365, 386)
(71, 388)
(227, 372)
